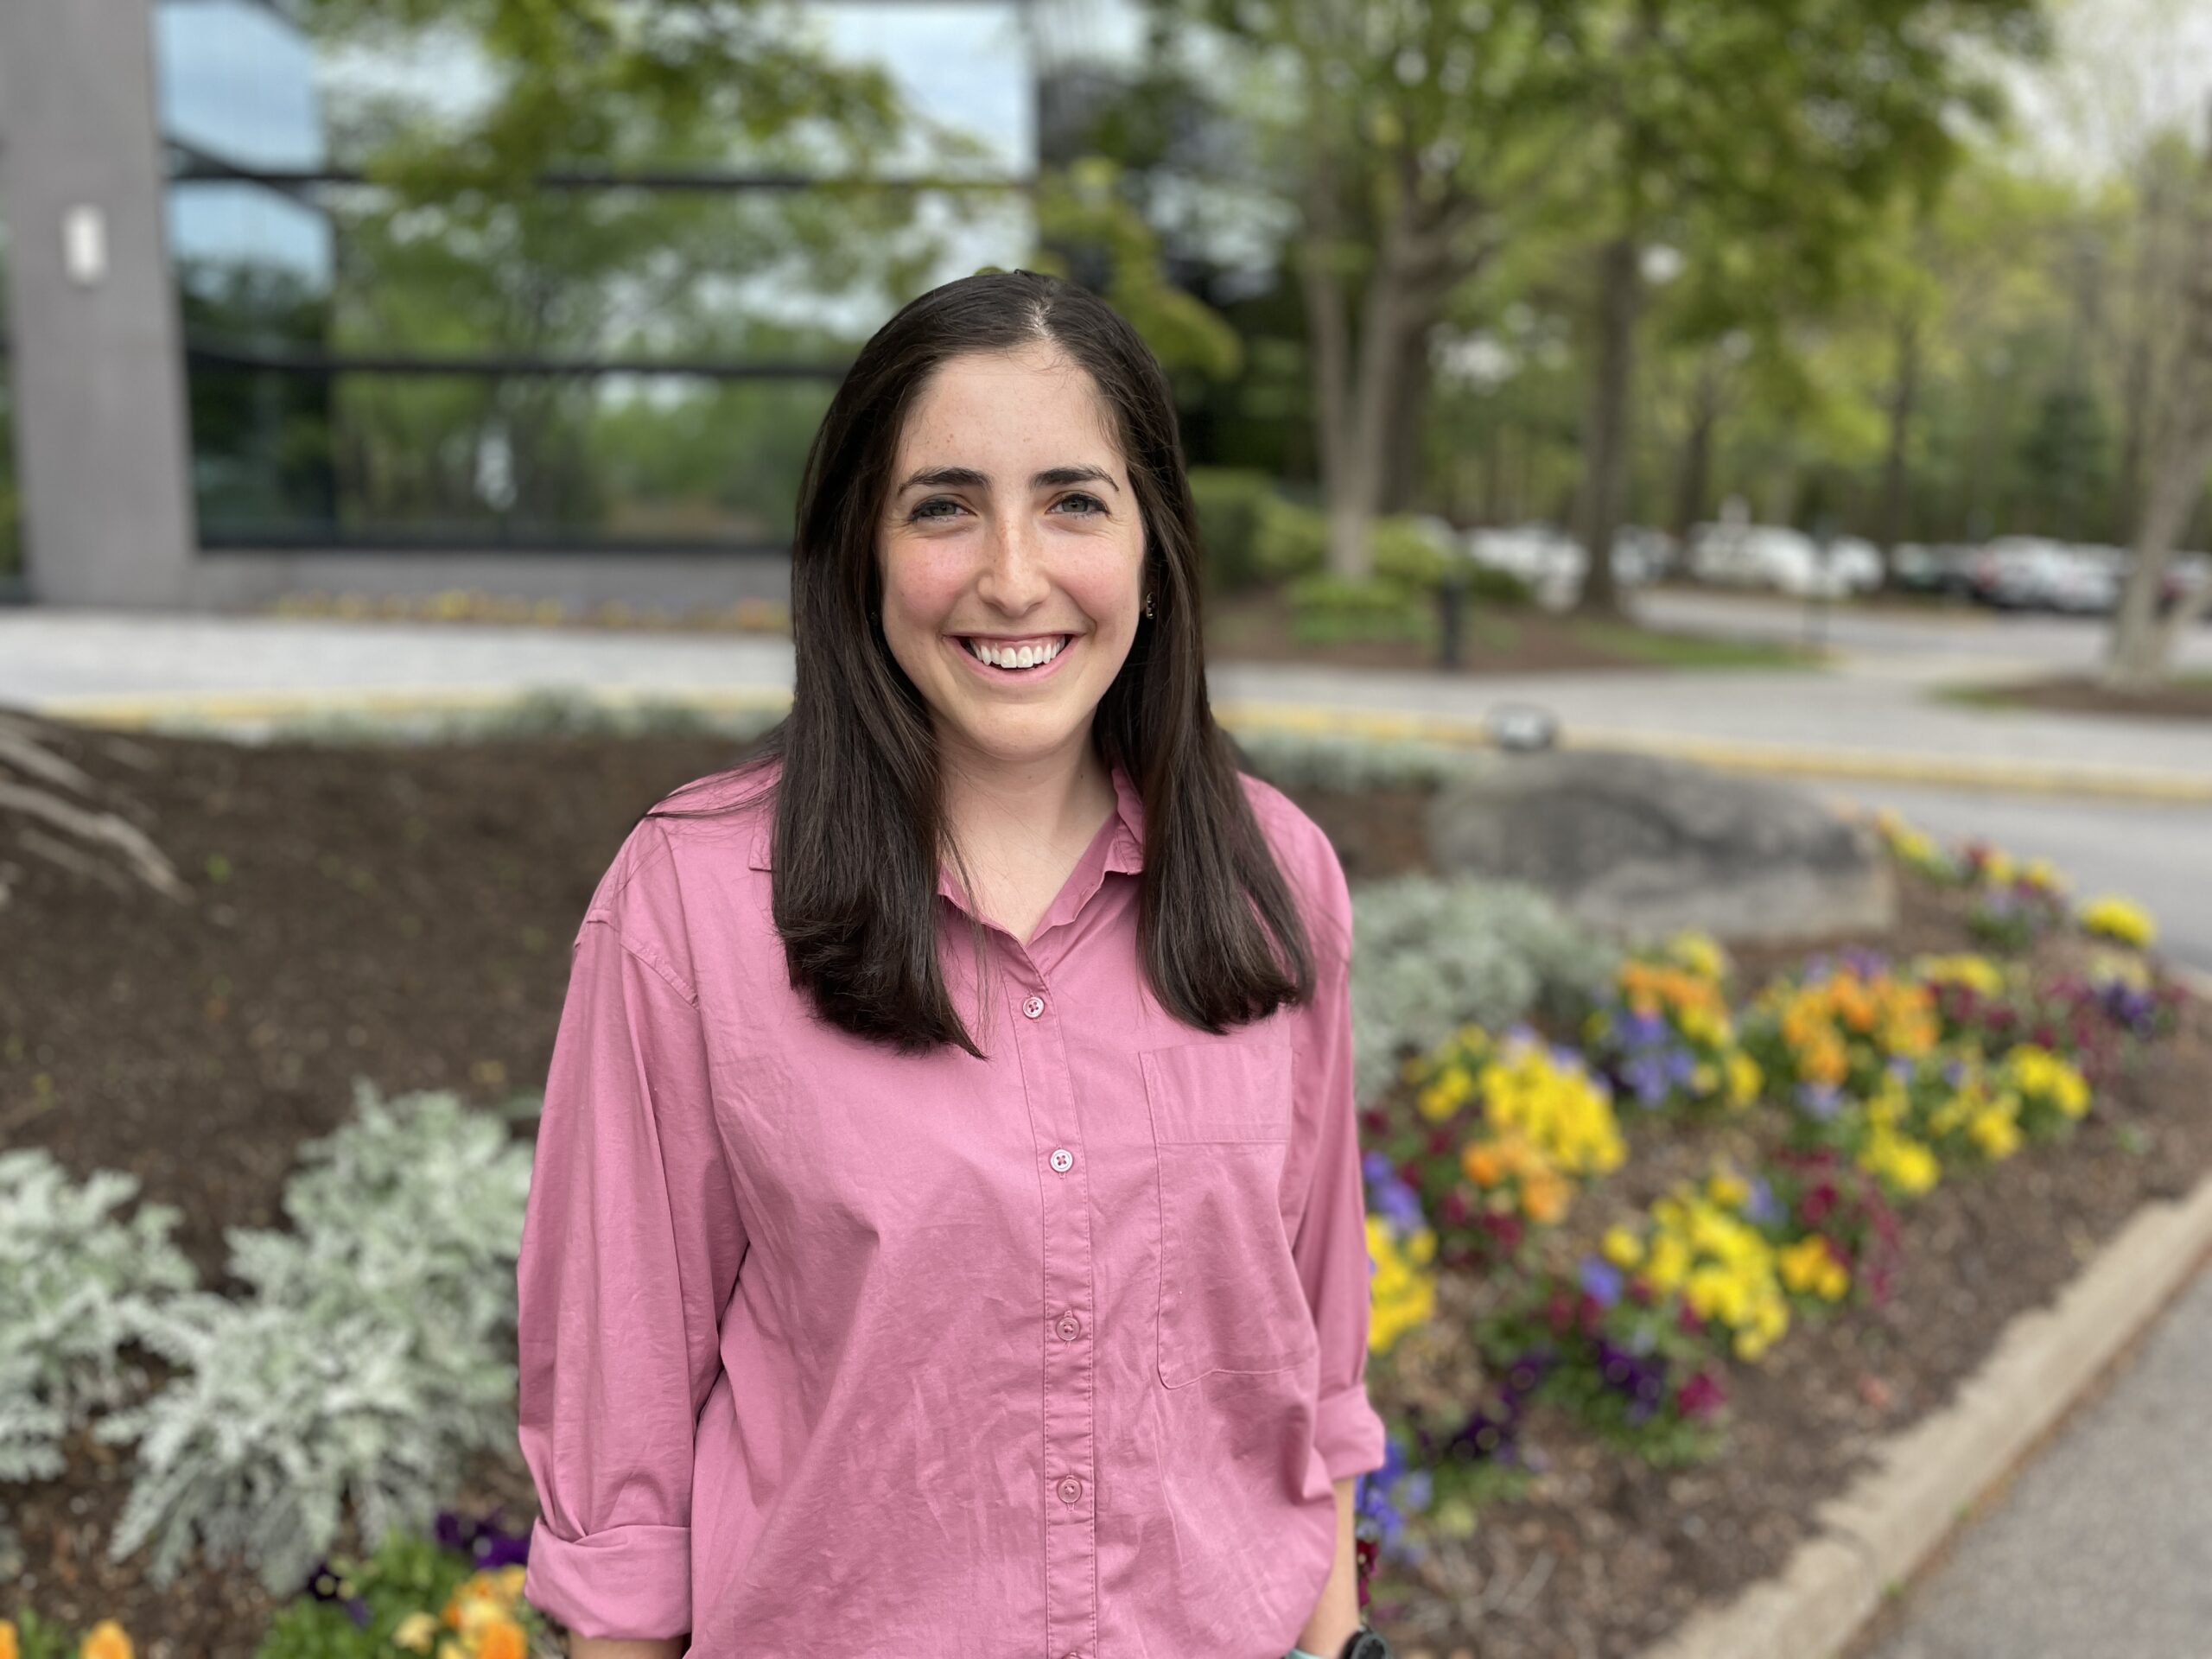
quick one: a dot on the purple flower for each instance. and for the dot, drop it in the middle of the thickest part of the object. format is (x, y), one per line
(1900, 1065)
(1761, 1206)
(1647, 1078)
(1601, 1279)
(1819, 1100)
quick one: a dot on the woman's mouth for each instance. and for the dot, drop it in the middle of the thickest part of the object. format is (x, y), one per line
(1016, 659)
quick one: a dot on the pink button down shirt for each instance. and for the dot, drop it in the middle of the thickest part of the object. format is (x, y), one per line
(829, 1351)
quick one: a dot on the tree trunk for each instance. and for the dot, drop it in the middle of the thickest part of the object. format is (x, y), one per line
(1359, 383)
(2140, 648)
(1605, 428)
(1894, 472)
(1695, 481)
(2136, 387)
(1408, 417)
(1330, 341)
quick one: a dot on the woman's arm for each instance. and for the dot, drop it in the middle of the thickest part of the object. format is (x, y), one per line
(1336, 1614)
(607, 1646)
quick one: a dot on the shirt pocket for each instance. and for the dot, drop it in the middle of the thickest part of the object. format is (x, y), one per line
(1230, 1295)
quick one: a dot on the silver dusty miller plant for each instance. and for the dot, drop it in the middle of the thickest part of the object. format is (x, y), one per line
(1429, 955)
(76, 1284)
(375, 1353)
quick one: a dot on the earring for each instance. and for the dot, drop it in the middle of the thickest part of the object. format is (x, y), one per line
(1147, 604)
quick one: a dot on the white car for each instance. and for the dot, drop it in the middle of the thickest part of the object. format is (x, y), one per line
(1772, 556)
(2031, 572)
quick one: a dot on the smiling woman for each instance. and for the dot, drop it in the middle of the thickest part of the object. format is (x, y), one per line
(879, 1296)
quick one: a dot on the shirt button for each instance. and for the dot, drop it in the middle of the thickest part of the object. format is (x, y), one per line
(1071, 1490)
(1063, 1159)
(1069, 1327)
(1033, 1007)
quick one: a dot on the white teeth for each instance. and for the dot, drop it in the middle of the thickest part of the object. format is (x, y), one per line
(1017, 656)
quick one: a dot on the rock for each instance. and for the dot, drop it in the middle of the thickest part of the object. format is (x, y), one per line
(1640, 845)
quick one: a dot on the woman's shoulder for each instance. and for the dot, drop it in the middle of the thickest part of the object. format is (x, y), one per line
(700, 835)
(1307, 859)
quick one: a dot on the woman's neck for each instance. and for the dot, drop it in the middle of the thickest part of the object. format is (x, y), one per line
(1004, 812)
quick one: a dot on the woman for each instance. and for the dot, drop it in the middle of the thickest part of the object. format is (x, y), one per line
(946, 1235)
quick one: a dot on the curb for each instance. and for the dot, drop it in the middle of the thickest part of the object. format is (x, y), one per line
(1960, 771)
(1927, 1478)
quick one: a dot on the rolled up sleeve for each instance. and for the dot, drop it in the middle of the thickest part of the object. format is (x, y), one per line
(1330, 1245)
(630, 1246)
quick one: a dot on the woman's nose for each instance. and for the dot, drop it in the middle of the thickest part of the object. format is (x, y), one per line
(1014, 579)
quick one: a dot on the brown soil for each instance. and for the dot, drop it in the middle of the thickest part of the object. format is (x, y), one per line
(2184, 699)
(402, 915)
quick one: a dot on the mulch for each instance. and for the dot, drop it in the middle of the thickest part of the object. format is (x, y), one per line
(403, 915)
(2188, 698)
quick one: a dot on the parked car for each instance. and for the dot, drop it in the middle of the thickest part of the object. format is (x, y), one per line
(2185, 572)
(1777, 556)
(2034, 573)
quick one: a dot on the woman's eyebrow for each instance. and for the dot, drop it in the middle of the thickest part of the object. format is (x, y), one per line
(940, 478)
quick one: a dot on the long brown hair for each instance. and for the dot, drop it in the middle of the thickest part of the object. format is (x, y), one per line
(859, 815)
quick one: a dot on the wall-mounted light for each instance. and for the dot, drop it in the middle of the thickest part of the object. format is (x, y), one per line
(83, 244)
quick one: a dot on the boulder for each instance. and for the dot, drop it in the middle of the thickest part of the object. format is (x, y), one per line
(1640, 845)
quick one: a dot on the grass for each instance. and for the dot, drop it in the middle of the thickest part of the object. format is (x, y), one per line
(1668, 650)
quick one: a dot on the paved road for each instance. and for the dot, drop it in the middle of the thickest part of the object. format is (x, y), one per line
(49, 655)
(2100, 1549)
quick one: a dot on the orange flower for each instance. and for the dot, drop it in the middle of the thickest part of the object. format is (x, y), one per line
(1484, 1166)
(107, 1640)
(8, 1648)
(501, 1638)
(1544, 1197)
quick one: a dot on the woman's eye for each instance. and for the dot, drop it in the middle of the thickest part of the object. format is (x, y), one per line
(923, 511)
(1091, 503)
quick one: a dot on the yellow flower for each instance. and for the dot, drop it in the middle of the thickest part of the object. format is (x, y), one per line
(1401, 1294)
(1728, 1190)
(1669, 1262)
(1835, 1280)
(106, 1641)
(2119, 919)
(1621, 1247)
(416, 1632)
(1995, 1130)
(1744, 1078)
(1977, 973)
(2037, 1070)
(1909, 1165)
(9, 1648)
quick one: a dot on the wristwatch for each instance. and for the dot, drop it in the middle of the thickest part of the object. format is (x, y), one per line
(1364, 1643)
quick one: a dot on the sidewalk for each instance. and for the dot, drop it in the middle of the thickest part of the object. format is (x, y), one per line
(1860, 721)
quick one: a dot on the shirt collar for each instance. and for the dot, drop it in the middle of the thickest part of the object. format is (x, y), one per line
(1124, 851)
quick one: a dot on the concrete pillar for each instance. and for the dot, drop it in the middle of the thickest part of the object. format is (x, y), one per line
(96, 372)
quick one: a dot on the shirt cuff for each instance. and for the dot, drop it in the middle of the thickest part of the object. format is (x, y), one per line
(1348, 1433)
(633, 1582)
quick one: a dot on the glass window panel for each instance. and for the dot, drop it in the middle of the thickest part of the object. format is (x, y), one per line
(463, 460)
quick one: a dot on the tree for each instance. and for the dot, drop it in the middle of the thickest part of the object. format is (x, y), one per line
(2141, 646)
(1402, 134)
(1792, 121)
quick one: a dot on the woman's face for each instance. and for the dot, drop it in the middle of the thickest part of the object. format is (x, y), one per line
(1011, 526)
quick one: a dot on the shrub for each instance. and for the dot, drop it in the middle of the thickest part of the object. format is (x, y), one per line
(1229, 502)
(1330, 760)
(1328, 609)
(1429, 956)
(75, 1285)
(369, 1362)
(1289, 539)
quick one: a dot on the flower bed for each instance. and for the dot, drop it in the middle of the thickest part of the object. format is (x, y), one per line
(397, 914)
(1619, 1381)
